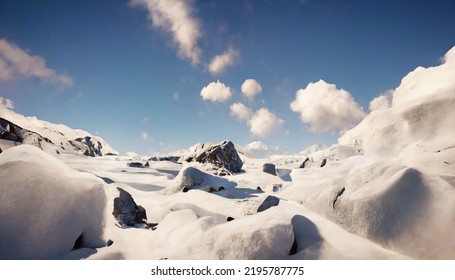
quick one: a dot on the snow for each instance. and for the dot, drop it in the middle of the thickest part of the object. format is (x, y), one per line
(385, 191)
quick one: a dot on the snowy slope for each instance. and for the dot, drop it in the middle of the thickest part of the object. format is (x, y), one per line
(62, 137)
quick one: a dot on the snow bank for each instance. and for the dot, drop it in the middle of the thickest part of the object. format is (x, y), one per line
(422, 114)
(46, 208)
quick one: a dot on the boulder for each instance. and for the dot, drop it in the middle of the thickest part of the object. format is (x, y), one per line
(192, 178)
(269, 168)
(222, 155)
(270, 201)
(126, 211)
(135, 164)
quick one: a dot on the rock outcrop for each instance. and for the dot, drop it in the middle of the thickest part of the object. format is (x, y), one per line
(223, 155)
(126, 211)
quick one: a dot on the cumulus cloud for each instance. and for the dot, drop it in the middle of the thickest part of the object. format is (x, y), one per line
(382, 102)
(6, 103)
(17, 64)
(427, 81)
(257, 149)
(221, 61)
(264, 122)
(241, 112)
(251, 88)
(177, 18)
(259, 146)
(325, 108)
(216, 91)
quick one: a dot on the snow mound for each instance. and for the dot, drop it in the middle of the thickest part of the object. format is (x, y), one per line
(192, 178)
(422, 114)
(47, 208)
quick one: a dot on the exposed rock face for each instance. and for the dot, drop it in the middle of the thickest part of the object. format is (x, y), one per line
(324, 162)
(269, 168)
(126, 211)
(222, 155)
(92, 146)
(14, 133)
(270, 201)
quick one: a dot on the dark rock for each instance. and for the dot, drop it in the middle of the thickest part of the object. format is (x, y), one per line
(337, 194)
(259, 189)
(141, 215)
(324, 162)
(229, 219)
(126, 211)
(147, 164)
(221, 155)
(269, 168)
(186, 189)
(270, 201)
(304, 162)
(277, 187)
(92, 146)
(294, 247)
(109, 243)
(135, 164)
(169, 158)
(220, 189)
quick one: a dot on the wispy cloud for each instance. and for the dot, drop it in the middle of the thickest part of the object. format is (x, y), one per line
(216, 91)
(221, 61)
(177, 18)
(326, 109)
(145, 136)
(6, 103)
(17, 64)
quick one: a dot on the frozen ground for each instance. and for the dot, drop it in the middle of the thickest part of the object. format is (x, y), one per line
(385, 191)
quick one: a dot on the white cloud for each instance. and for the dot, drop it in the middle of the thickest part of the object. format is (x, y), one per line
(177, 18)
(145, 136)
(17, 64)
(241, 112)
(325, 108)
(257, 149)
(6, 103)
(264, 122)
(382, 102)
(259, 146)
(251, 88)
(221, 61)
(216, 91)
(427, 81)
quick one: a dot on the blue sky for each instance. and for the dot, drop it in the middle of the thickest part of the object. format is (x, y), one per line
(133, 72)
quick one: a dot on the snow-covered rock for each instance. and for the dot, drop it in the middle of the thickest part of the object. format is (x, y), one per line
(50, 137)
(222, 155)
(46, 206)
(192, 178)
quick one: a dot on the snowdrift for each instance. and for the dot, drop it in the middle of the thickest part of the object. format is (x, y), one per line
(47, 209)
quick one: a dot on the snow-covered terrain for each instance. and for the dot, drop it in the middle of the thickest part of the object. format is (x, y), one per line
(385, 191)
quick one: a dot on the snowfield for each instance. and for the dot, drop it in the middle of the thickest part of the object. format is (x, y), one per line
(385, 191)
